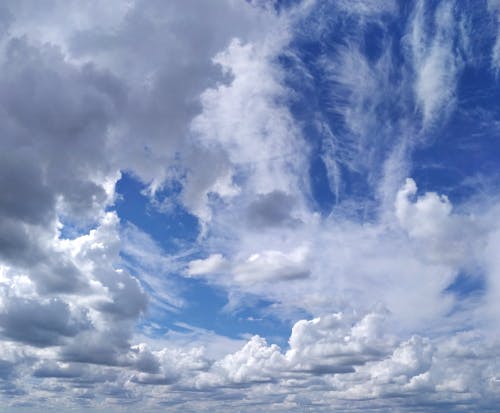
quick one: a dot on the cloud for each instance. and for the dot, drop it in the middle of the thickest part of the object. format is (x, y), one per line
(272, 265)
(494, 8)
(252, 121)
(212, 264)
(91, 322)
(57, 370)
(356, 362)
(39, 323)
(167, 366)
(325, 344)
(272, 209)
(367, 7)
(435, 63)
(264, 266)
(424, 217)
(267, 127)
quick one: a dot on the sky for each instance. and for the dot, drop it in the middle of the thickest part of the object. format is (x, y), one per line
(249, 205)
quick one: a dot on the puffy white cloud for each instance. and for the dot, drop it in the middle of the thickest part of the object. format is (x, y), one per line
(255, 362)
(355, 361)
(211, 264)
(256, 89)
(335, 343)
(327, 345)
(264, 266)
(166, 366)
(273, 266)
(91, 321)
(165, 91)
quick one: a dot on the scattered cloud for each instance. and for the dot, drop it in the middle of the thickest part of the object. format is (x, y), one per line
(287, 133)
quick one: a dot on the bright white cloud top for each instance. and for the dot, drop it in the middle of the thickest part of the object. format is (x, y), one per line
(246, 206)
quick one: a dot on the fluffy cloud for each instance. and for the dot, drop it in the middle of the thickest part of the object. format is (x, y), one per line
(273, 266)
(288, 133)
(268, 265)
(211, 264)
(352, 359)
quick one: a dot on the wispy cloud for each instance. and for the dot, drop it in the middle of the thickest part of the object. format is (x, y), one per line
(294, 136)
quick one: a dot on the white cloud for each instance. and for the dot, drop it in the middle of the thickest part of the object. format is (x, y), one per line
(165, 92)
(427, 217)
(273, 266)
(331, 344)
(368, 6)
(212, 264)
(264, 145)
(494, 8)
(435, 63)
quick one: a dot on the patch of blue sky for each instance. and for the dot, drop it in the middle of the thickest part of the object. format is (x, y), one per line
(467, 288)
(71, 229)
(446, 158)
(467, 284)
(206, 308)
(319, 101)
(204, 304)
(465, 149)
(172, 228)
(448, 155)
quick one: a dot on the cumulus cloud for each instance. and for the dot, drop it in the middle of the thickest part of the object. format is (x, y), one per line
(273, 266)
(267, 127)
(325, 345)
(356, 362)
(272, 209)
(287, 132)
(213, 263)
(268, 265)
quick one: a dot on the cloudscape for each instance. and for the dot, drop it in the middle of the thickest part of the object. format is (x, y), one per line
(249, 206)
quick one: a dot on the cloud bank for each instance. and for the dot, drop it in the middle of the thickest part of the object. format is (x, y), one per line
(249, 205)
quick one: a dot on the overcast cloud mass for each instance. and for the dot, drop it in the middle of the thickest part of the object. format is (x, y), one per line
(250, 206)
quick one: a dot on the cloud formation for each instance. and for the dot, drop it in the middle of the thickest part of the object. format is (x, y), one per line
(338, 263)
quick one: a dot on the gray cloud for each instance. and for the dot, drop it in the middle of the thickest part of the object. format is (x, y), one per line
(272, 209)
(40, 323)
(6, 369)
(158, 89)
(54, 370)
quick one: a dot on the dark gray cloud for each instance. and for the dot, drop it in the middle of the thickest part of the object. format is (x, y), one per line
(25, 195)
(108, 347)
(40, 323)
(56, 274)
(55, 119)
(272, 210)
(128, 299)
(53, 370)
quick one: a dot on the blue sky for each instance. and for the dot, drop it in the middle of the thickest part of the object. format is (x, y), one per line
(244, 205)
